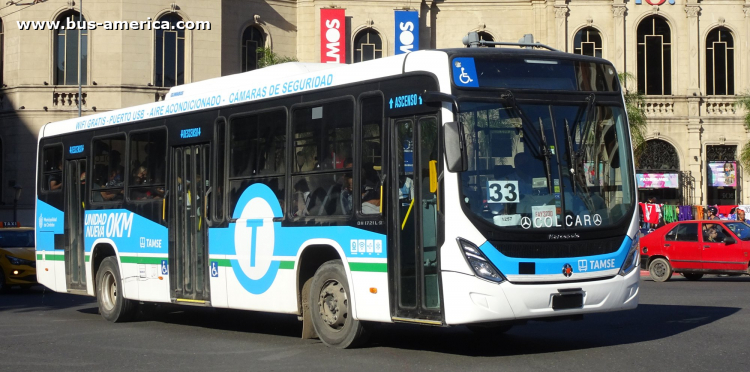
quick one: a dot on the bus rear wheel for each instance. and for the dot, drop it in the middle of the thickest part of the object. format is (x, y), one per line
(330, 308)
(112, 305)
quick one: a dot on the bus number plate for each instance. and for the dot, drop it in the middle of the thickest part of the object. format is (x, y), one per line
(567, 301)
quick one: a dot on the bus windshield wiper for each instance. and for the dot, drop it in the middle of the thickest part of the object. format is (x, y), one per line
(546, 153)
(572, 157)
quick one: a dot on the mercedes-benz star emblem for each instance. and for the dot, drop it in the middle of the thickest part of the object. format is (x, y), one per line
(567, 270)
(597, 219)
(526, 222)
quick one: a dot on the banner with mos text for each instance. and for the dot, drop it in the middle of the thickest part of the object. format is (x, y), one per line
(332, 36)
(407, 31)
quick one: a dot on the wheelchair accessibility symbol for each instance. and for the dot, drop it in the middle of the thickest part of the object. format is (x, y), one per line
(465, 72)
(214, 269)
(464, 77)
(164, 267)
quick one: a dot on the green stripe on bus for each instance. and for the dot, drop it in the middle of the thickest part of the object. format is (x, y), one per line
(88, 258)
(142, 260)
(286, 265)
(54, 257)
(366, 266)
(222, 262)
(39, 257)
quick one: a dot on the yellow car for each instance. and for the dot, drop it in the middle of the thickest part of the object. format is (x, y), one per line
(17, 257)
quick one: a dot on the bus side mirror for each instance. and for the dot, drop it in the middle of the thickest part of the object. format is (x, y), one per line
(455, 148)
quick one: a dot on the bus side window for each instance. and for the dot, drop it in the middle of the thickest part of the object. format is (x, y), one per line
(108, 168)
(52, 169)
(371, 159)
(257, 154)
(323, 138)
(148, 159)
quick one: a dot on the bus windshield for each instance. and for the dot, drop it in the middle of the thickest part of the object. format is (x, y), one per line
(547, 166)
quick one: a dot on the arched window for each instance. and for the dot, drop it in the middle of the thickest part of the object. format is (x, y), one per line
(252, 39)
(719, 62)
(169, 64)
(66, 51)
(484, 36)
(367, 46)
(659, 155)
(588, 42)
(654, 56)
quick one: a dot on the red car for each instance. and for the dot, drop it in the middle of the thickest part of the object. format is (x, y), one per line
(694, 248)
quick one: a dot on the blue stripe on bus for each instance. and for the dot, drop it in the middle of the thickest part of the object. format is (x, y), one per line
(547, 266)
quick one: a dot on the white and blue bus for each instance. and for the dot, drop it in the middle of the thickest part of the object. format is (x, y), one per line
(478, 186)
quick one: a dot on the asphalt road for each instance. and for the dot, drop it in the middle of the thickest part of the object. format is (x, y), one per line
(679, 326)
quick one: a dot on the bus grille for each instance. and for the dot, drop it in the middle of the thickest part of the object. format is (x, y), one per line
(558, 249)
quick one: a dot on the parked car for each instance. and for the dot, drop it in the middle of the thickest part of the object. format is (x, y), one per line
(17, 257)
(695, 248)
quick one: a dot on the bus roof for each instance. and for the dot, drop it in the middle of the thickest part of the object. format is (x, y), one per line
(272, 81)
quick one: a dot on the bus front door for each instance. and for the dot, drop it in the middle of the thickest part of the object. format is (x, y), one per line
(188, 256)
(74, 191)
(414, 216)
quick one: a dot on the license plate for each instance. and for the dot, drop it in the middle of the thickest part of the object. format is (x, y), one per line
(567, 301)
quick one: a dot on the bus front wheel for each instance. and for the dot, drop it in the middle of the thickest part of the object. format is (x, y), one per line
(112, 305)
(330, 308)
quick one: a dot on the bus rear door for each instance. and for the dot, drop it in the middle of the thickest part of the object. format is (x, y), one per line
(189, 193)
(74, 189)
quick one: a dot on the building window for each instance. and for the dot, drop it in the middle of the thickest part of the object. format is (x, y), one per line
(367, 46)
(588, 42)
(720, 62)
(66, 51)
(654, 57)
(169, 64)
(659, 155)
(484, 36)
(252, 39)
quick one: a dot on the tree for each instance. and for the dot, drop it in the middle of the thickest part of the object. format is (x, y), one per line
(634, 105)
(744, 103)
(269, 58)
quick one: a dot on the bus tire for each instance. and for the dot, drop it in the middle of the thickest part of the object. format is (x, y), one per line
(112, 305)
(692, 276)
(330, 308)
(660, 270)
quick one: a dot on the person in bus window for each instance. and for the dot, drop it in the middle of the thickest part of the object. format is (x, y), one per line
(55, 179)
(370, 198)
(301, 198)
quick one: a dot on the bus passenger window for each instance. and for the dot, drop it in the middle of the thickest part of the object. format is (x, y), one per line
(323, 139)
(148, 159)
(108, 169)
(52, 168)
(257, 154)
(371, 159)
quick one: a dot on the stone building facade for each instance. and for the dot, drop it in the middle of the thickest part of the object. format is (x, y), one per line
(690, 57)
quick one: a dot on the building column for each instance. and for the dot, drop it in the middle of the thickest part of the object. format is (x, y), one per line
(427, 40)
(561, 23)
(695, 151)
(746, 85)
(618, 12)
(693, 13)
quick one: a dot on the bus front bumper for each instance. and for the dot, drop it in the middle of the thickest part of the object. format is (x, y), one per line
(469, 299)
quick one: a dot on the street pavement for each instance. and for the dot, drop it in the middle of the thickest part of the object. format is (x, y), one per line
(679, 325)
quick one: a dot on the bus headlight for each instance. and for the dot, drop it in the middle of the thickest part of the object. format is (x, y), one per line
(482, 267)
(631, 260)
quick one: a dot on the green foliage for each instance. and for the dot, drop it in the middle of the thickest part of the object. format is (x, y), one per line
(743, 102)
(634, 105)
(267, 57)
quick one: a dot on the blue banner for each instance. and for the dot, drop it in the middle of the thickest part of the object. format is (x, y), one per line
(407, 31)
